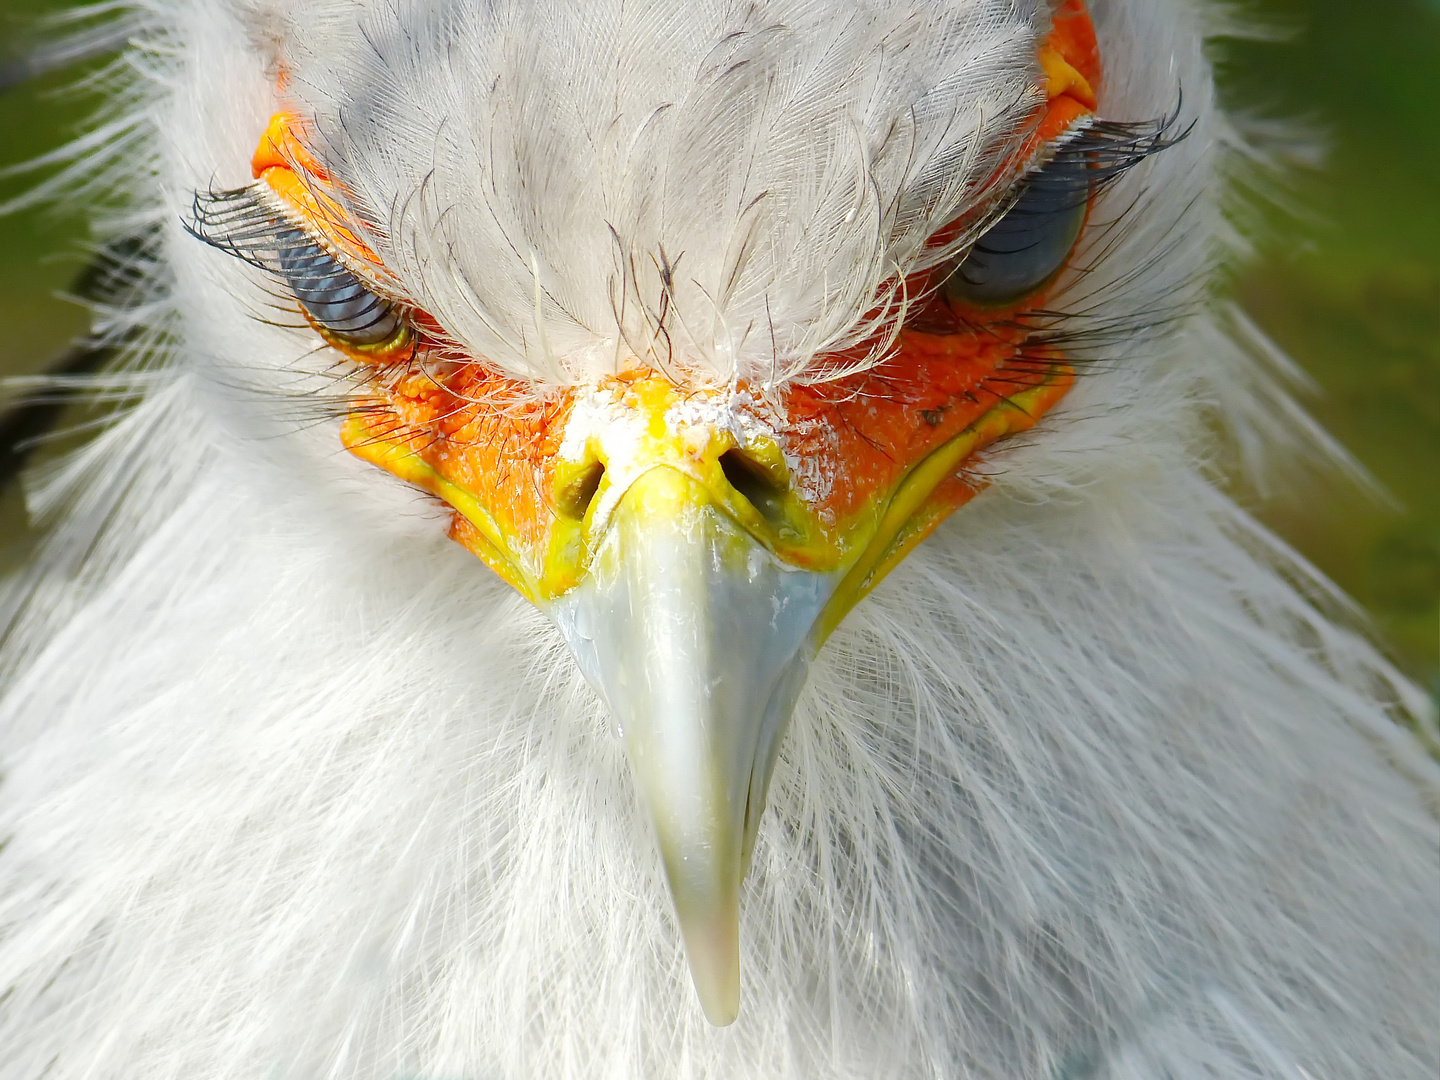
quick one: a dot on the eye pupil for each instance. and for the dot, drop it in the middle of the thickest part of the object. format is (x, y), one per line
(336, 299)
(1028, 246)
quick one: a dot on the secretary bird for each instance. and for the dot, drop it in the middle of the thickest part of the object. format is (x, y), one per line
(689, 538)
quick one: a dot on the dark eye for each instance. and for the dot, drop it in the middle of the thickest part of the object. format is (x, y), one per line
(1029, 245)
(337, 300)
(250, 224)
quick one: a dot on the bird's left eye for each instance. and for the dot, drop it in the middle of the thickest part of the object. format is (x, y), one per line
(336, 300)
(1028, 246)
(250, 224)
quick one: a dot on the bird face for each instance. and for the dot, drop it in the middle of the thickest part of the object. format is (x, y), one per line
(697, 534)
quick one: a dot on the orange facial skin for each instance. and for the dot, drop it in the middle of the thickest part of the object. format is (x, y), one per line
(1070, 59)
(284, 162)
(858, 470)
(475, 440)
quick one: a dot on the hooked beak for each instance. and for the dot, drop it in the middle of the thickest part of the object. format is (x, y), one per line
(698, 639)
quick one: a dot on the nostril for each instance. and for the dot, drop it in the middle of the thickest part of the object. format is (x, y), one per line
(575, 500)
(755, 483)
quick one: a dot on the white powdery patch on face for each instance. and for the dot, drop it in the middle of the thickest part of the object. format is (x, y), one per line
(601, 422)
(732, 412)
(617, 431)
(751, 418)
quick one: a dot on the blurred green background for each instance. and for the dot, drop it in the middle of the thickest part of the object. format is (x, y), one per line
(1349, 286)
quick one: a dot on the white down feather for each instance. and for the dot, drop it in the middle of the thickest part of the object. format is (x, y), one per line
(1098, 784)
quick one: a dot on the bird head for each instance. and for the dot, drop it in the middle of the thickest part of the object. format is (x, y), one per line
(696, 407)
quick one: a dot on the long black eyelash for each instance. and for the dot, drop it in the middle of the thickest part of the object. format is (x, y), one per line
(1112, 147)
(1096, 155)
(247, 224)
(1088, 160)
(1109, 149)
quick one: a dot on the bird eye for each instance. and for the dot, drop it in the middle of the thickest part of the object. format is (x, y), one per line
(249, 224)
(1028, 246)
(336, 300)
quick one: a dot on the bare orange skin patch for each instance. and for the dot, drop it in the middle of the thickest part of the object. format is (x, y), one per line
(302, 182)
(1070, 58)
(843, 476)
(831, 453)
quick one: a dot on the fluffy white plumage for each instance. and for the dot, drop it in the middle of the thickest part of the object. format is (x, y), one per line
(1097, 784)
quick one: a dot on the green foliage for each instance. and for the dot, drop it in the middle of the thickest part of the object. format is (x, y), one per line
(39, 251)
(1353, 292)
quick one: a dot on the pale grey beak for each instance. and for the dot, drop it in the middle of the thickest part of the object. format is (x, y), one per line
(699, 640)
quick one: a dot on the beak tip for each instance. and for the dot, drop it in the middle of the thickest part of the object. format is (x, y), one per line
(713, 949)
(722, 1013)
(721, 1004)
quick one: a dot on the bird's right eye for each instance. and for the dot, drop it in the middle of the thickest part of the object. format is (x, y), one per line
(1028, 246)
(337, 302)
